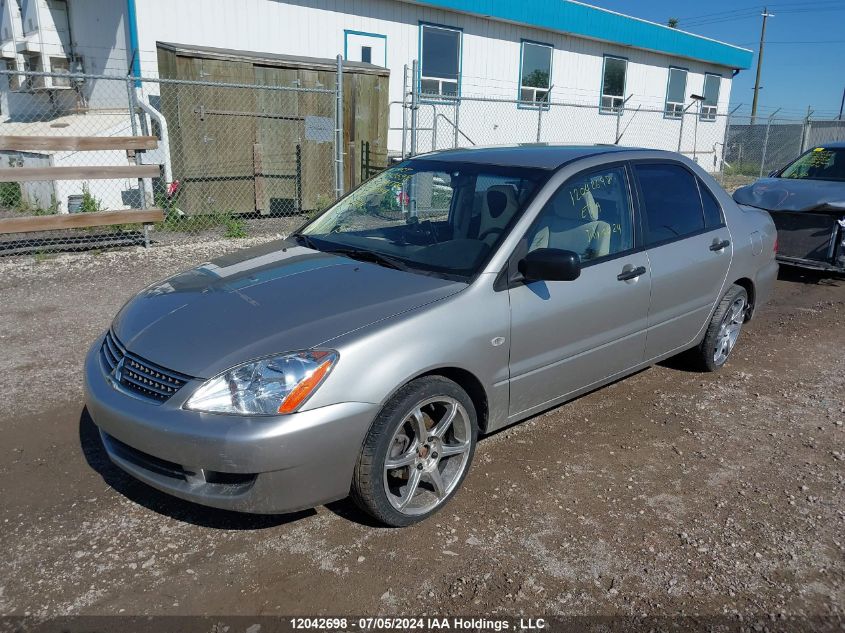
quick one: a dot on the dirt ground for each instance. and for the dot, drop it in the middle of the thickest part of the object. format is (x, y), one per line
(670, 492)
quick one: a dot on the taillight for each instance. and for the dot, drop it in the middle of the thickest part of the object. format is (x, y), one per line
(776, 244)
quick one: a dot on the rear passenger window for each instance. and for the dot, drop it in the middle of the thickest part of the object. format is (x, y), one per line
(671, 202)
(712, 210)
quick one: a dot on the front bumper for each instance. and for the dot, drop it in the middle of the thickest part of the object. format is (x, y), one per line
(811, 240)
(249, 464)
(810, 263)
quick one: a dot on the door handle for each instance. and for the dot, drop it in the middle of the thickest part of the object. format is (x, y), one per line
(718, 246)
(627, 275)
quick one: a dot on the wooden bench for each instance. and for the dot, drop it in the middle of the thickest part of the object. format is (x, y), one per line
(56, 222)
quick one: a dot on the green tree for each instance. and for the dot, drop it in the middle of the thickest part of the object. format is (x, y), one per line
(537, 79)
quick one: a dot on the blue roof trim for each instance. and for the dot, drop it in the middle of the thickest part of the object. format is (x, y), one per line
(583, 20)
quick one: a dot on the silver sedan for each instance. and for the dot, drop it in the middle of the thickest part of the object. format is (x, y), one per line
(449, 296)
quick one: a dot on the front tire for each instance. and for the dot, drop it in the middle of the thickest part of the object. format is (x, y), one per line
(417, 452)
(724, 330)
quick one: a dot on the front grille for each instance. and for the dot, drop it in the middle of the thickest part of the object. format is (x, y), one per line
(138, 375)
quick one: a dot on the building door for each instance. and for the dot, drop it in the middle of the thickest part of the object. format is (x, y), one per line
(370, 48)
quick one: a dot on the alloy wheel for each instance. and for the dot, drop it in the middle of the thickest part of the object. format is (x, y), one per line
(427, 455)
(729, 330)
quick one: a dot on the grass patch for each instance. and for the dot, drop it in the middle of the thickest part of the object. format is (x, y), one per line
(743, 169)
(25, 207)
(90, 204)
(233, 225)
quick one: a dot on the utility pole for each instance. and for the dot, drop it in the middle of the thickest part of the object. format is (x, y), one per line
(765, 15)
(842, 105)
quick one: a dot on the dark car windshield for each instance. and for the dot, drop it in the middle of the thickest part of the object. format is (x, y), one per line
(435, 217)
(820, 163)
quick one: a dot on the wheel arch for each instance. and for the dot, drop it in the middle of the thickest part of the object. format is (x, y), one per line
(748, 285)
(467, 381)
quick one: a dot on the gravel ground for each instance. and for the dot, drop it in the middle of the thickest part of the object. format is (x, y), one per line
(670, 492)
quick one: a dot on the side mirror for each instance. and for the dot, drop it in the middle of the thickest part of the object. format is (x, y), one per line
(550, 264)
(773, 173)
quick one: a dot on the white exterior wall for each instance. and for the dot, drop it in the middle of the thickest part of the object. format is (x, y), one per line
(40, 27)
(98, 30)
(11, 27)
(490, 65)
(490, 60)
(93, 30)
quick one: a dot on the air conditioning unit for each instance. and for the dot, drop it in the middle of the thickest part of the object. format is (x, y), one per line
(38, 83)
(60, 65)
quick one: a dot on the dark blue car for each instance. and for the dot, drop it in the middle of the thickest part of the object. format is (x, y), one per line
(806, 200)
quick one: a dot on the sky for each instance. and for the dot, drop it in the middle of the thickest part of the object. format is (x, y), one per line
(804, 56)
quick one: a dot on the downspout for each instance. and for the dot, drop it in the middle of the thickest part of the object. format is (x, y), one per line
(142, 99)
(132, 27)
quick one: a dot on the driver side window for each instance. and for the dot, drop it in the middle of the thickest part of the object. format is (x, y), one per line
(589, 215)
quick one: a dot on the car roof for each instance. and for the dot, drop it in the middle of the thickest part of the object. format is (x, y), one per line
(536, 155)
(834, 145)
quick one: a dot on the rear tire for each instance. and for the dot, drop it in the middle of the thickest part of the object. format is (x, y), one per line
(417, 452)
(723, 331)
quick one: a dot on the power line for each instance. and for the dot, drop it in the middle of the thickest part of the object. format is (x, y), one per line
(798, 42)
(778, 6)
(745, 14)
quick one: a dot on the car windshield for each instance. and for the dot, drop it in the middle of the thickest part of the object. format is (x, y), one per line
(818, 164)
(434, 217)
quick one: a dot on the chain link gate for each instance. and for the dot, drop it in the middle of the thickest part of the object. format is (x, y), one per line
(221, 159)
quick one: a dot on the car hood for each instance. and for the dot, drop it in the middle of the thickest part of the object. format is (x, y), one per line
(275, 298)
(792, 194)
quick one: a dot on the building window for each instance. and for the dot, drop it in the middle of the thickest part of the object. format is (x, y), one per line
(676, 91)
(440, 55)
(535, 72)
(711, 97)
(613, 84)
(367, 54)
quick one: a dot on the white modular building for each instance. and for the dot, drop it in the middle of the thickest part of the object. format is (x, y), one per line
(627, 80)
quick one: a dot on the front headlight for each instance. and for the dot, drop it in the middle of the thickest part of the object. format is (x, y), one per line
(269, 386)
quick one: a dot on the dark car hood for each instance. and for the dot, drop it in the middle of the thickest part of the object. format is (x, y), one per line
(274, 298)
(792, 194)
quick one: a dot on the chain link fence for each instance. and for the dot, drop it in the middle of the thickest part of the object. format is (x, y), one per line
(473, 121)
(735, 149)
(754, 148)
(226, 160)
